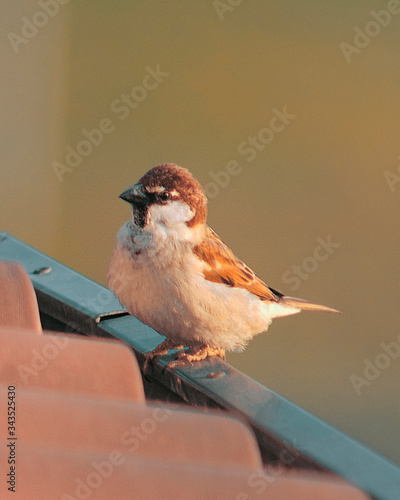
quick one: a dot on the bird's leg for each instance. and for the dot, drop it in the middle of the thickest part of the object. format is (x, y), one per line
(160, 350)
(194, 354)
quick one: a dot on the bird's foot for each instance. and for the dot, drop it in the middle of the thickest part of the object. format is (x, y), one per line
(185, 358)
(161, 350)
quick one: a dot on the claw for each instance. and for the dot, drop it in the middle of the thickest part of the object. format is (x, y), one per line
(161, 350)
(187, 358)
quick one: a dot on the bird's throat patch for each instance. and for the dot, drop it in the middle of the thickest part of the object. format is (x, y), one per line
(140, 215)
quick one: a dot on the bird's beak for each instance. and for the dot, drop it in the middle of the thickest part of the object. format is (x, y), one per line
(134, 195)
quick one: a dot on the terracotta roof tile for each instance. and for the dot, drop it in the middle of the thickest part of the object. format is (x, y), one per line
(49, 474)
(18, 303)
(161, 432)
(70, 364)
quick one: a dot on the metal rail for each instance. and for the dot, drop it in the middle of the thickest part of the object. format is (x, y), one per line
(287, 434)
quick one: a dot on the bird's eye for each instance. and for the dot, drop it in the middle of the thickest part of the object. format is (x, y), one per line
(164, 196)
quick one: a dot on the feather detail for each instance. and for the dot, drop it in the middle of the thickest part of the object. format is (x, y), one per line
(222, 266)
(304, 305)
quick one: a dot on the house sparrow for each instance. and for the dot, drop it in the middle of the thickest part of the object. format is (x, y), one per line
(175, 274)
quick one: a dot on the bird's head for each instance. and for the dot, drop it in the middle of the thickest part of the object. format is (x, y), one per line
(167, 194)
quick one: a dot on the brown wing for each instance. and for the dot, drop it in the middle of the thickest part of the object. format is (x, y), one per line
(223, 267)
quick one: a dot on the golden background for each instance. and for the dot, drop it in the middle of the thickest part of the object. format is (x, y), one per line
(330, 173)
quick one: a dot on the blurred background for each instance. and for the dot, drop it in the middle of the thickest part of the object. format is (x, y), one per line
(95, 93)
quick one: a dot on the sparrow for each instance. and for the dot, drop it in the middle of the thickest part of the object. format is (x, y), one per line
(172, 271)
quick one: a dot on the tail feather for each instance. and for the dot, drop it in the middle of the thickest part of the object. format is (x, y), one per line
(304, 305)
